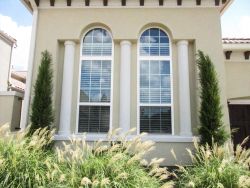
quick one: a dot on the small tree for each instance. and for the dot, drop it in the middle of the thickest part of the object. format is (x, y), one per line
(42, 111)
(212, 128)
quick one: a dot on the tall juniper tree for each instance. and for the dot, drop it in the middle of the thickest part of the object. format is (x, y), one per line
(42, 110)
(211, 128)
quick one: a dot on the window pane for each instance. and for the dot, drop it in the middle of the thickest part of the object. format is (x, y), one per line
(154, 32)
(144, 67)
(95, 95)
(94, 119)
(84, 95)
(97, 43)
(144, 81)
(155, 96)
(154, 67)
(165, 96)
(165, 67)
(95, 81)
(145, 33)
(144, 96)
(158, 82)
(165, 81)
(154, 42)
(155, 81)
(155, 119)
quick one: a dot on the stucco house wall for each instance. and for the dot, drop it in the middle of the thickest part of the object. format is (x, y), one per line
(192, 23)
(237, 68)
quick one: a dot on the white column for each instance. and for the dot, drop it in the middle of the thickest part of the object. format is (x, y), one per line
(184, 89)
(125, 85)
(67, 82)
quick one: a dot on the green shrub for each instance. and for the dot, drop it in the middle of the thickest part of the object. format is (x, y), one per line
(116, 163)
(216, 167)
(41, 110)
(212, 127)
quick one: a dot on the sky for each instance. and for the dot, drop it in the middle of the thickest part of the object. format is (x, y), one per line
(16, 21)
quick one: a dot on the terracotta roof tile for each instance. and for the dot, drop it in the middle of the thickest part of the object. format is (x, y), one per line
(236, 40)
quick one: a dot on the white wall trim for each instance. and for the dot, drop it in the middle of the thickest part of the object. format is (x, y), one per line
(27, 96)
(11, 93)
(236, 47)
(103, 137)
(239, 101)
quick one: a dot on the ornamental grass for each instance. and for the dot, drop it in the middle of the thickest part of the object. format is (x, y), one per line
(216, 167)
(117, 162)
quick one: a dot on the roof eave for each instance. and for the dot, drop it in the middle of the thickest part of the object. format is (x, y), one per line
(226, 6)
(27, 4)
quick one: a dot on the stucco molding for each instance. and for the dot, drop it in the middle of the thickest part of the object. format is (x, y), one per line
(103, 137)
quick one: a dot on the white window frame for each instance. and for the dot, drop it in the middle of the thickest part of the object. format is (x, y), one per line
(155, 136)
(96, 136)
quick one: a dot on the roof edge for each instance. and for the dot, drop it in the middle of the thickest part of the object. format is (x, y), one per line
(226, 6)
(10, 40)
(27, 4)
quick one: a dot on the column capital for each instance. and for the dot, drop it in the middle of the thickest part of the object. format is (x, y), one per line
(182, 42)
(69, 42)
(125, 42)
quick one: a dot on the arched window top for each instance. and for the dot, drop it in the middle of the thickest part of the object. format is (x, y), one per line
(97, 42)
(154, 42)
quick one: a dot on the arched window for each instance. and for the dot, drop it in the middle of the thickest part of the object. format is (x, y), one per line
(155, 98)
(95, 82)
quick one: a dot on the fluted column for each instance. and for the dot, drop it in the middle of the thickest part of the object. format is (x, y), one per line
(125, 85)
(67, 82)
(184, 89)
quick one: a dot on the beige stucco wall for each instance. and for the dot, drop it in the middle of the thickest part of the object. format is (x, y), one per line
(5, 56)
(201, 26)
(238, 75)
(10, 109)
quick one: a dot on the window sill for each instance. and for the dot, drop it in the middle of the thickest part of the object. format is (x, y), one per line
(155, 138)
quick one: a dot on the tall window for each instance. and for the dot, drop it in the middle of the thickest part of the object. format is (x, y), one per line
(95, 82)
(155, 82)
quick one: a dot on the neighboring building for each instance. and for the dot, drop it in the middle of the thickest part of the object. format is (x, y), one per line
(237, 63)
(18, 80)
(10, 96)
(128, 63)
(6, 45)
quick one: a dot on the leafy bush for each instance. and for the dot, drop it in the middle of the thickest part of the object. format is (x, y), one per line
(41, 110)
(216, 167)
(212, 127)
(116, 163)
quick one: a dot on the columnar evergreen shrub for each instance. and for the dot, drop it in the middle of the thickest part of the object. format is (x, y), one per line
(42, 111)
(211, 125)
